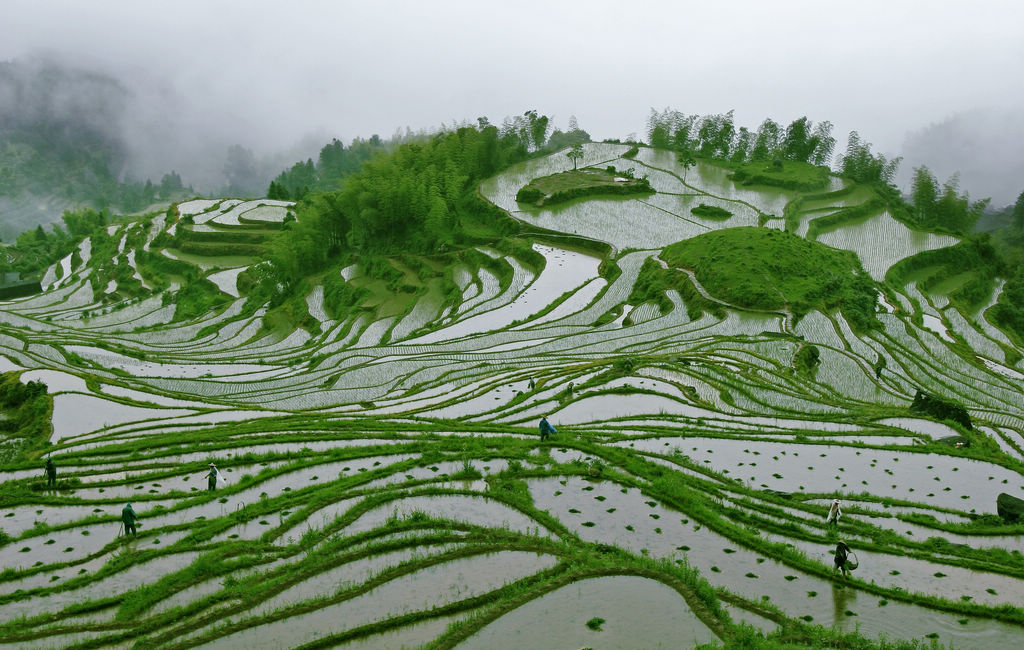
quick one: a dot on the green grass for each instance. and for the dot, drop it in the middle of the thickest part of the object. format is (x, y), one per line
(767, 269)
(564, 186)
(710, 212)
(735, 374)
(787, 174)
(974, 262)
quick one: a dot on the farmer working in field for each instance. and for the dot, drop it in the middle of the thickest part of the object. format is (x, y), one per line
(546, 429)
(833, 514)
(128, 518)
(51, 473)
(842, 554)
(211, 478)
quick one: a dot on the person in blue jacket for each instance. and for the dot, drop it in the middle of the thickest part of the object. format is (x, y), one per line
(546, 429)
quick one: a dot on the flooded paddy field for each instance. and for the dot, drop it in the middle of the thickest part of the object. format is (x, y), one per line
(382, 480)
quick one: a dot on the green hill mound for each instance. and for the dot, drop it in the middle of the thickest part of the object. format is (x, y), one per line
(763, 268)
(567, 185)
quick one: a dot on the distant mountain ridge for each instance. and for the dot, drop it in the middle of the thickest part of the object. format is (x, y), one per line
(60, 146)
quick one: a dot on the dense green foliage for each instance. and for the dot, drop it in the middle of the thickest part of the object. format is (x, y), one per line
(790, 175)
(1018, 212)
(859, 164)
(38, 248)
(974, 256)
(572, 137)
(27, 407)
(715, 136)
(807, 358)
(654, 280)
(796, 158)
(411, 206)
(651, 284)
(946, 207)
(1008, 312)
(412, 199)
(568, 185)
(335, 162)
(710, 212)
(418, 199)
(764, 268)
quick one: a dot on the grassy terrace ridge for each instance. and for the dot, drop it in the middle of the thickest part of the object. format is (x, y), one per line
(769, 269)
(789, 174)
(373, 412)
(576, 183)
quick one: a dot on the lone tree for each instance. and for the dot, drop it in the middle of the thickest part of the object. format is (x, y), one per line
(575, 154)
(687, 160)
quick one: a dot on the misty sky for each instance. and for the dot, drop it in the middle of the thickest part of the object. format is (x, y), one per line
(268, 74)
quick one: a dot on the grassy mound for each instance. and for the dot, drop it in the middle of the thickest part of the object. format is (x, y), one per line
(568, 185)
(710, 212)
(763, 268)
(790, 175)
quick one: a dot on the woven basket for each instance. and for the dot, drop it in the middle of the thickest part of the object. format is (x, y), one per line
(851, 561)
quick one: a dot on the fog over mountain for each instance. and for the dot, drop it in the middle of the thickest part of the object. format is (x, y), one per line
(190, 80)
(983, 145)
(143, 125)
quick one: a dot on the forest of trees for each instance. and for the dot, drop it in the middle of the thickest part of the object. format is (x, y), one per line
(943, 207)
(336, 161)
(716, 136)
(418, 198)
(38, 248)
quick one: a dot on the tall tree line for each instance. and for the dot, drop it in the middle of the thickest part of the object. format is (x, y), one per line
(411, 198)
(943, 206)
(716, 136)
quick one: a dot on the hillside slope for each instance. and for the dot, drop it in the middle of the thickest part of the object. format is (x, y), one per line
(383, 480)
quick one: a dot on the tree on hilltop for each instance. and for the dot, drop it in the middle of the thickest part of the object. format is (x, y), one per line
(687, 160)
(943, 207)
(575, 155)
(575, 135)
(859, 164)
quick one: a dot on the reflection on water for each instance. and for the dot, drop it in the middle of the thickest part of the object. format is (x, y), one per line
(636, 613)
(842, 599)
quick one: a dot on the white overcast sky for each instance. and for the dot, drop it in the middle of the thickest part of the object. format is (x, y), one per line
(268, 73)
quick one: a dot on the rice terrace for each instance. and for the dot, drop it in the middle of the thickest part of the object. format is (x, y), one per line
(726, 340)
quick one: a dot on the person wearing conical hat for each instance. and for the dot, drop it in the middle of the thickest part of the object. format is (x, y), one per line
(841, 557)
(211, 478)
(834, 512)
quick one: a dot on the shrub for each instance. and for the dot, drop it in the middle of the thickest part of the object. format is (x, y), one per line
(529, 194)
(710, 212)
